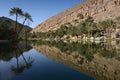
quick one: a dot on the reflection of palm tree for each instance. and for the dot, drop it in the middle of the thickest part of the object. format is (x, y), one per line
(21, 68)
(28, 64)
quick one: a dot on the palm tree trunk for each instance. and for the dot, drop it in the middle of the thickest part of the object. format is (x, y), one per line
(24, 59)
(25, 35)
(17, 60)
(16, 22)
(22, 26)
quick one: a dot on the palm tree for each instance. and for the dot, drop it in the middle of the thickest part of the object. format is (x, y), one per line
(27, 17)
(90, 28)
(17, 12)
(107, 25)
(80, 16)
(117, 21)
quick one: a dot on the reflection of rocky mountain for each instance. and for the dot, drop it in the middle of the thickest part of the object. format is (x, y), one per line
(98, 9)
(103, 66)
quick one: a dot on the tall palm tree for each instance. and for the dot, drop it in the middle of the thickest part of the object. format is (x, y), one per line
(117, 21)
(27, 17)
(17, 12)
(107, 25)
(90, 28)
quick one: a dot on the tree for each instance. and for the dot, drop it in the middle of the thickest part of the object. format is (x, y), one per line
(90, 28)
(82, 27)
(117, 21)
(6, 32)
(107, 25)
(89, 19)
(80, 16)
(27, 17)
(17, 12)
(75, 21)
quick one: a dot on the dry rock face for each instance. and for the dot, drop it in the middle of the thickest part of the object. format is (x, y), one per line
(98, 9)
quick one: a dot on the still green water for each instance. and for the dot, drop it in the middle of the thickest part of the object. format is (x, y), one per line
(45, 60)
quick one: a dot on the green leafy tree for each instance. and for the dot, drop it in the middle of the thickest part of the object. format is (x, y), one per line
(80, 16)
(117, 21)
(107, 25)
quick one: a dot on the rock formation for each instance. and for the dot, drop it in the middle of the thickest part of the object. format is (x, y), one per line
(98, 9)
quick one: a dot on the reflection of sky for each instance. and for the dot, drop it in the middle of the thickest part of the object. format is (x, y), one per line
(5, 69)
(39, 9)
(0, 76)
(43, 68)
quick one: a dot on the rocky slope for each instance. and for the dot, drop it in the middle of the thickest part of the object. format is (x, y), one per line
(98, 9)
(11, 23)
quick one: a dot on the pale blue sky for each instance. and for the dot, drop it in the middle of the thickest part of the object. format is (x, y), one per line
(40, 10)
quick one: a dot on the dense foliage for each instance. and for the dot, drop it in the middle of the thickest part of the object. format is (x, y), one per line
(86, 50)
(6, 32)
(12, 30)
(85, 28)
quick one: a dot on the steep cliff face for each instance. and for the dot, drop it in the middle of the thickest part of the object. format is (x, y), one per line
(98, 9)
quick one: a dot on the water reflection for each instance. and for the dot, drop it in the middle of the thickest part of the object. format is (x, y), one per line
(100, 60)
(16, 62)
(8, 51)
(86, 61)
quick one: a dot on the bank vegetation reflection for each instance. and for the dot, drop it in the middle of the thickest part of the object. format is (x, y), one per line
(10, 50)
(99, 60)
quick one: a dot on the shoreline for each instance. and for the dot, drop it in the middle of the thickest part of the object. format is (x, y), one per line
(1, 41)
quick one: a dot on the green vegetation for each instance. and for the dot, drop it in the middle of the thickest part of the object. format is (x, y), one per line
(80, 15)
(14, 33)
(86, 28)
(6, 32)
(17, 12)
(87, 50)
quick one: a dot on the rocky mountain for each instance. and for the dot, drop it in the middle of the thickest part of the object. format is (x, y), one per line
(98, 9)
(11, 23)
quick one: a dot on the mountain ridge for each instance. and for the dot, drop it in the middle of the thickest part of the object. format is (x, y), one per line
(11, 23)
(99, 10)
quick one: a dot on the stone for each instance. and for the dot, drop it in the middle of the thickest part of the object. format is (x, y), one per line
(98, 9)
